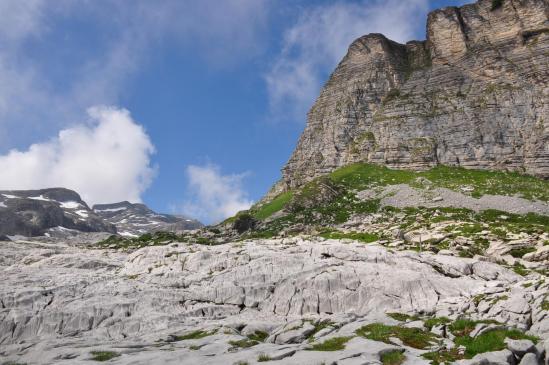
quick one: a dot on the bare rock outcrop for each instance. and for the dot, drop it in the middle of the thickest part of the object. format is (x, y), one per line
(474, 94)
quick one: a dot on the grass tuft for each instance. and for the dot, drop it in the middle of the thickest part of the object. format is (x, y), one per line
(443, 356)
(103, 355)
(489, 341)
(244, 343)
(393, 357)
(195, 335)
(263, 358)
(436, 321)
(333, 344)
(402, 317)
(258, 336)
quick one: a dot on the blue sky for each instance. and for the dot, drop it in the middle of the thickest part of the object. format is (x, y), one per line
(190, 106)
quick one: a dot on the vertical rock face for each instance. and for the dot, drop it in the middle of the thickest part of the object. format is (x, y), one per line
(474, 94)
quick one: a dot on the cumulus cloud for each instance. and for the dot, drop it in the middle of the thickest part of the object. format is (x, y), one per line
(106, 159)
(319, 39)
(214, 196)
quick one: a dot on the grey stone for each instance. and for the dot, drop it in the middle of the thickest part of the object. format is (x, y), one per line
(520, 347)
(529, 359)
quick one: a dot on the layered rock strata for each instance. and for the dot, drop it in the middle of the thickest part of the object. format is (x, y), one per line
(474, 94)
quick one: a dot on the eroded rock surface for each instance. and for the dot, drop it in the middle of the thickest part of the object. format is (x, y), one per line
(59, 303)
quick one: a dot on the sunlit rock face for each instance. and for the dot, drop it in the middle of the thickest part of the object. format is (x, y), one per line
(474, 94)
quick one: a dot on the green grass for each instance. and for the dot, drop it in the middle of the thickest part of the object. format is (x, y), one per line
(492, 340)
(259, 336)
(360, 176)
(520, 269)
(195, 335)
(521, 251)
(393, 357)
(263, 358)
(333, 344)
(275, 205)
(357, 236)
(443, 356)
(318, 326)
(545, 305)
(402, 317)
(436, 321)
(244, 343)
(464, 326)
(103, 355)
(413, 337)
(331, 200)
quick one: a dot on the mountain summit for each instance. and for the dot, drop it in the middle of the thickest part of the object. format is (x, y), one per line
(59, 212)
(137, 219)
(474, 94)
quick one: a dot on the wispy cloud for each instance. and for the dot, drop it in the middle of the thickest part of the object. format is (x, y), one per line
(212, 195)
(105, 160)
(319, 39)
(34, 102)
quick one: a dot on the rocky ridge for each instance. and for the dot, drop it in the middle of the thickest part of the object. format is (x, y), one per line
(474, 94)
(50, 212)
(137, 219)
(61, 213)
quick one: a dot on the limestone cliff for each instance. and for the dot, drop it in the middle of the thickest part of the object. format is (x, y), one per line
(474, 94)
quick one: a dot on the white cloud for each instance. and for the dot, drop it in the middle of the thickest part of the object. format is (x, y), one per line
(105, 160)
(214, 196)
(320, 38)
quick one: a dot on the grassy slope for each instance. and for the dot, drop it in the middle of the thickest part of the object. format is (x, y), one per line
(362, 176)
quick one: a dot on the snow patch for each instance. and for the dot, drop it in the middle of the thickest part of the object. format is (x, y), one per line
(70, 205)
(2, 205)
(128, 234)
(41, 197)
(10, 196)
(82, 213)
(110, 209)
